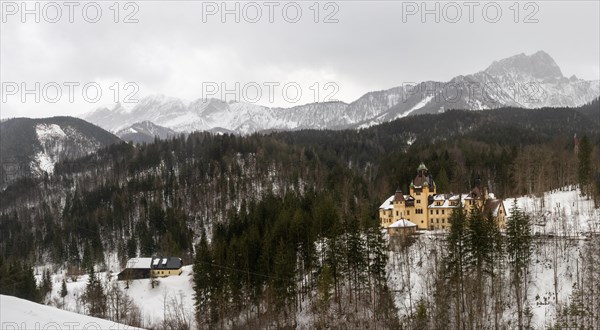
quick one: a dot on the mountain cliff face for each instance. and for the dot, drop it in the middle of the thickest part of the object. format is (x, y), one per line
(532, 81)
(32, 146)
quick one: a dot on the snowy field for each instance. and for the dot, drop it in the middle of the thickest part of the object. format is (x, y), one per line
(154, 303)
(22, 314)
(562, 212)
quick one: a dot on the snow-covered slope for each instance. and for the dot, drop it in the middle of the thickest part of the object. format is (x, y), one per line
(18, 313)
(521, 81)
(31, 147)
(562, 212)
(154, 303)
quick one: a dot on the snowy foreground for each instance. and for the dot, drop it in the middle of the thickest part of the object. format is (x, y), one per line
(22, 314)
(174, 292)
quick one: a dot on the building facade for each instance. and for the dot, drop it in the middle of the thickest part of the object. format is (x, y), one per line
(429, 210)
(138, 268)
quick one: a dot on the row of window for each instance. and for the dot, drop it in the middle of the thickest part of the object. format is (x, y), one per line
(436, 211)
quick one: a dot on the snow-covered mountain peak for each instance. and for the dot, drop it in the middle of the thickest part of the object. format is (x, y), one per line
(539, 65)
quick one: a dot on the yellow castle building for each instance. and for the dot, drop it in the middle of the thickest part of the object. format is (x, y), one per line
(428, 210)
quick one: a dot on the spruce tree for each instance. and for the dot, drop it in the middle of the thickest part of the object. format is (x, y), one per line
(94, 296)
(456, 260)
(202, 281)
(518, 247)
(63, 291)
(584, 168)
(45, 285)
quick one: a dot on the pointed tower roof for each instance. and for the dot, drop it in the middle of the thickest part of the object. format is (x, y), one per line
(398, 196)
(422, 167)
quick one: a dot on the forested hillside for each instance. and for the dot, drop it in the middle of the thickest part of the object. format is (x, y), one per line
(283, 224)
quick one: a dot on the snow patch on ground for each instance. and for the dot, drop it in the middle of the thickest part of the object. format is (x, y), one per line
(50, 137)
(18, 313)
(416, 107)
(47, 132)
(562, 212)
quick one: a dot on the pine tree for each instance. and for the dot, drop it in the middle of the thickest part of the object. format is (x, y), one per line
(420, 318)
(45, 285)
(202, 281)
(584, 168)
(442, 181)
(518, 247)
(63, 291)
(94, 296)
(456, 261)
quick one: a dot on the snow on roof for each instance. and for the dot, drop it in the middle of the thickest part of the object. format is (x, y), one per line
(388, 204)
(139, 263)
(402, 223)
(446, 204)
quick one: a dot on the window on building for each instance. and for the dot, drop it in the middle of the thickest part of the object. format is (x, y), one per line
(396, 213)
(437, 211)
(442, 211)
(418, 201)
(442, 220)
(407, 212)
(430, 211)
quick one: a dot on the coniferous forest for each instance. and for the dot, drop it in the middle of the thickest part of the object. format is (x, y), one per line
(282, 228)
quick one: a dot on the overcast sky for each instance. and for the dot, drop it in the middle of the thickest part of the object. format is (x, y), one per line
(183, 48)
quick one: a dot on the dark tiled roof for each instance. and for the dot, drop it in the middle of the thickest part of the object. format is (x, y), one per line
(166, 263)
(491, 205)
(476, 193)
(398, 196)
(420, 180)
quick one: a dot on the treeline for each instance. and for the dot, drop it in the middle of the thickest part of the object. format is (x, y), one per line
(281, 255)
(17, 279)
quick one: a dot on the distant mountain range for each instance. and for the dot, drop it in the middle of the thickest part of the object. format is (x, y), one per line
(532, 81)
(31, 147)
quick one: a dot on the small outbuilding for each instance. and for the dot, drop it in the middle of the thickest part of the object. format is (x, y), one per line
(402, 227)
